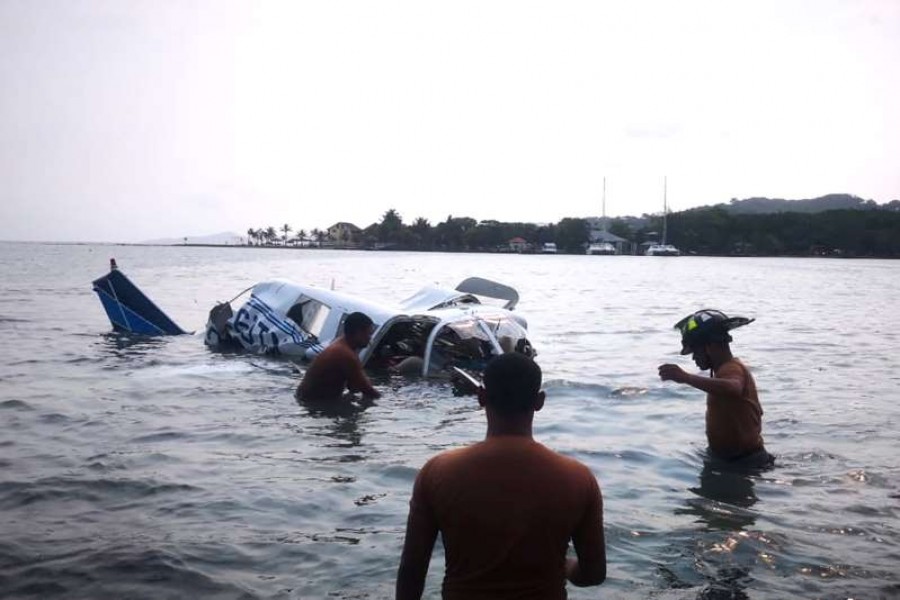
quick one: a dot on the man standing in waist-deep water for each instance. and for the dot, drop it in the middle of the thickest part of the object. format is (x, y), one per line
(506, 507)
(733, 412)
(338, 366)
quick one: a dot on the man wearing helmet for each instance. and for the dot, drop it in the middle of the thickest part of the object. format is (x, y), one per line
(733, 412)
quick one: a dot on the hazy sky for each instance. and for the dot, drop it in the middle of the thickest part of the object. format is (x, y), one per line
(128, 120)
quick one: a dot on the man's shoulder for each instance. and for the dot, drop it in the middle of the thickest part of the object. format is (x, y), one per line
(453, 455)
(338, 350)
(458, 458)
(562, 470)
(733, 368)
(441, 463)
(476, 451)
(576, 467)
(538, 454)
(456, 468)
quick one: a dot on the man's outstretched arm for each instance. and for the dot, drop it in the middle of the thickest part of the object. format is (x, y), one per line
(724, 385)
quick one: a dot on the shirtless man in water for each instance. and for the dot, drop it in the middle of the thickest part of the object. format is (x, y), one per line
(733, 412)
(507, 507)
(338, 366)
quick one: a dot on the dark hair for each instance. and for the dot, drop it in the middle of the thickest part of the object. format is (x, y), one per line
(356, 322)
(511, 383)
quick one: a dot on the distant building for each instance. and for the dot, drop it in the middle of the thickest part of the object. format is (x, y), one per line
(621, 245)
(344, 233)
(517, 244)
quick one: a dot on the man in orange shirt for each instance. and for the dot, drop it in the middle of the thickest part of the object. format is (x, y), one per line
(506, 507)
(733, 412)
(338, 366)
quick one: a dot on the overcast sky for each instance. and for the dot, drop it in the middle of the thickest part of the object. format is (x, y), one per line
(129, 120)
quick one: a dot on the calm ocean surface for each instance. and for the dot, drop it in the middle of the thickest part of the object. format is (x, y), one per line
(156, 468)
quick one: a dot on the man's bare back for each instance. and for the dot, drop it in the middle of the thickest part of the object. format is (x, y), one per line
(338, 368)
(333, 371)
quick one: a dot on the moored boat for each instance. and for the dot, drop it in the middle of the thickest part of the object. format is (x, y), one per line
(662, 248)
(601, 249)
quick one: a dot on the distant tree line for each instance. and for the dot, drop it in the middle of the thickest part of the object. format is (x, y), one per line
(715, 231)
(270, 236)
(466, 233)
(453, 234)
(861, 232)
(812, 205)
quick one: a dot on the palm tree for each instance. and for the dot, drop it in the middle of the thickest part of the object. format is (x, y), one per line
(421, 229)
(301, 236)
(286, 229)
(251, 234)
(271, 234)
(390, 226)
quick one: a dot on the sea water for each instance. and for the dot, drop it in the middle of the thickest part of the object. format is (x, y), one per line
(156, 468)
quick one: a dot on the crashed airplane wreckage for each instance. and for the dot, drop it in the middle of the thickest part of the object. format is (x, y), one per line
(430, 332)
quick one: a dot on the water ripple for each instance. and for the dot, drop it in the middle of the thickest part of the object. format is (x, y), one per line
(154, 468)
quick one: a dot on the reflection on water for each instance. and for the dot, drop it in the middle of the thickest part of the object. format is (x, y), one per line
(129, 345)
(119, 452)
(724, 497)
(341, 418)
(726, 546)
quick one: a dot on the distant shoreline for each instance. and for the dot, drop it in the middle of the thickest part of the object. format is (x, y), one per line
(444, 251)
(475, 251)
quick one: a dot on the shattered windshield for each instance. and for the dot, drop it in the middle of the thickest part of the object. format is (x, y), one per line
(470, 343)
(401, 347)
(511, 336)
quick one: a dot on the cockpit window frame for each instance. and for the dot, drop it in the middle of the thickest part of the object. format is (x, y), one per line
(315, 324)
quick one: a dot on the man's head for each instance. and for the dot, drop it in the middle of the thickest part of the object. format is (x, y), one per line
(512, 386)
(704, 335)
(358, 330)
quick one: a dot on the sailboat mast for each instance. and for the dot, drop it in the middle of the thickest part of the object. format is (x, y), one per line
(665, 210)
(604, 204)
